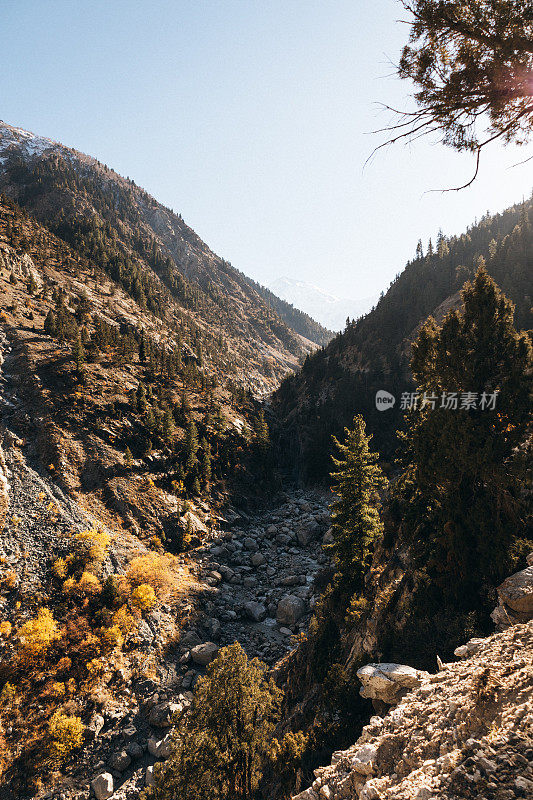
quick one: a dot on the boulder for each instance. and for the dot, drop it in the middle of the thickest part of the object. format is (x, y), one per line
(204, 653)
(134, 750)
(102, 786)
(255, 610)
(516, 592)
(290, 609)
(161, 714)
(160, 748)
(257, 559)
(364, 759)
(468, 649)
(389, 682)
(119, 761)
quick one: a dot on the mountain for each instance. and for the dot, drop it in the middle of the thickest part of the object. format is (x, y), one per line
(331, 311)
(373, 353)
(298, 320)
(150, 251)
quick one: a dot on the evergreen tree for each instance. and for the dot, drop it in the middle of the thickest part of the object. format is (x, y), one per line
(50, 324)
(168, 425)
(463, 454)
(78, 354)
(221, 746)
(355, 516)
(191, 447)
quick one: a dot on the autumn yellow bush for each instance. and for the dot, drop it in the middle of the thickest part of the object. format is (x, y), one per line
(5, 629)
(65, 735)
(123, 619)
(59, 568)
(152, 569)
(89, 547)
(143, 597)
(37, 635)
(111, 638)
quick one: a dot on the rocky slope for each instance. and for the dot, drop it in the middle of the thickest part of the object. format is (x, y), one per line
(150, 251)
(463, 732)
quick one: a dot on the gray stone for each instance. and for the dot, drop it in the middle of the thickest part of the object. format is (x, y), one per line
(102, 786)
(290, 609)
(257, 559)
(255, 610)
(134, 750)
(204, 653)
(250, 544)
(161, 714)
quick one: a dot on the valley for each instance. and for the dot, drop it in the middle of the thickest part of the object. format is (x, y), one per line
(171, 513)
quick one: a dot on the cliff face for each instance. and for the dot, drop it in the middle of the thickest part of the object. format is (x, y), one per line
(464, 732)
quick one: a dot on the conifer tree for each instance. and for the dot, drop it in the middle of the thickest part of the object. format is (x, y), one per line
(220, 747)
(355, 515)
(78, 354)
(191, 447)
(463, 455)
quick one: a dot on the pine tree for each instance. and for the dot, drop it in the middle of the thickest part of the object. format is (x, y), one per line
(50, 324)
(206, 463)
(168, 425)
(464, 460)
(355, 515)
(191, 447)
(78, 354)
(221, 746)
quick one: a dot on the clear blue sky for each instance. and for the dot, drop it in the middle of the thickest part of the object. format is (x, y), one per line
(252, 118)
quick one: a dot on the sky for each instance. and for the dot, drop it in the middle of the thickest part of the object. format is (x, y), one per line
(254, 120)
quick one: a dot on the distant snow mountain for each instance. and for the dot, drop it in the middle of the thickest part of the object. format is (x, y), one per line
(329, 310)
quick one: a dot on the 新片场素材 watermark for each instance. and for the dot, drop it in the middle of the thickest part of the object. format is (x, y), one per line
(452, 401)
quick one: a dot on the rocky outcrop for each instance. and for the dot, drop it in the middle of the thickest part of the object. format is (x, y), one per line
(465, 732)
(388, 683)
(515, 597)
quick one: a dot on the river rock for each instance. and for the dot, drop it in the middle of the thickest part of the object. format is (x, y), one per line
(204, 653)
(255, 610)
(290, 609)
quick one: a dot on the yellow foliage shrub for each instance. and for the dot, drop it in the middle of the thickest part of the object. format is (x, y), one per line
(111, 638)
(59, 568)
(37, 635)
(5, 629)
(90, 546)
(143, 597)
(123, 619)
(57, 689)
(7, 695)
(89, 585)
(153, 569)
(66, 734)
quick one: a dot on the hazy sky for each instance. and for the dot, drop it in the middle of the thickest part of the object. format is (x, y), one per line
(252, 118)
